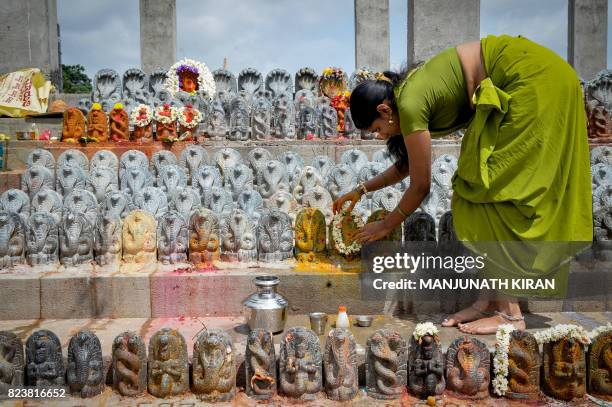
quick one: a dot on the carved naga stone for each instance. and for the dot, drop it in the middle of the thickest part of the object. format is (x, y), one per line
(12, 362)
(42, 239)
(48, 201)
(419, 227)
(426, 362)
(172, 238)
(598, 101)
(340, 364)
(139, 237)
(310, 235)
(16, 201)
(44, 362)
(564, 374)
(107, 238)
(203, 237)
(260, 365)
(36, 178)
(523, 366)
(168, 366)
(214, 367)
(76, 239)
(467, 368)
(272, 177)
(600, 366)
(97, 124)
(12, 240)
(85, 367)
(274, 236)
(73, 126)
(300, 364)
(386, 359)
(238, 237)
(129, 364)
(192, 157)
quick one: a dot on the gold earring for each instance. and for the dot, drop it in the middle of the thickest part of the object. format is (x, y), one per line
(390, 121)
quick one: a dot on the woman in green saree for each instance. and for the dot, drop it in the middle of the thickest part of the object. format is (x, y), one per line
(523, 173)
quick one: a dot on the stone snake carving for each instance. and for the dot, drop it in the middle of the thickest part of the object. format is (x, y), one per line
(386, 364)
(42, 239)
(600, 366)
(172, 238)
(168, 368)
(12, 239)
(260, 364)
(340, 364)
(300, 364)
(467, 368)
(129, 364)
(12, 362)
(85, 367)
(214, 368)
(564, 369)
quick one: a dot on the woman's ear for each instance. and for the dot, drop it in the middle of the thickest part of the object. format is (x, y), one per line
(384, 110)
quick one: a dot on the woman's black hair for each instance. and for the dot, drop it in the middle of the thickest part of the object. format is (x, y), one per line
(367, 96)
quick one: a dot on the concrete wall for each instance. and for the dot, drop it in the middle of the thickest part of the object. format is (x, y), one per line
(157, 34)
(372, 34)
(587, 33)
(28, 37)
(434, 25)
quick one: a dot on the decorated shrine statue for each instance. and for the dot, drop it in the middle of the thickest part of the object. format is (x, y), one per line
(426, 361)
(600, 363)
(188, 118)
(190, 76)
(165, 123)
(73, 126)
(343, 229)
(142, 118)
(97, 125)
(341, 103)
(310, 235)
(119, 124)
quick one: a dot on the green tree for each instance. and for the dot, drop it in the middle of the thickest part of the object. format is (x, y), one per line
(75, 79)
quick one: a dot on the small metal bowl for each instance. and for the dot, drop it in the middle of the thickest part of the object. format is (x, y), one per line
(364, 320)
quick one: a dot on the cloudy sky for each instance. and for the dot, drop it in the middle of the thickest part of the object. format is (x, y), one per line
(266, 34)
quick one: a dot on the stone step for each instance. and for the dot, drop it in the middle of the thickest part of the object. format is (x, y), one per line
(106, 329)
(159, 291)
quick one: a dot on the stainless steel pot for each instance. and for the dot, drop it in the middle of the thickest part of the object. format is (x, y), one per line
(266, 309)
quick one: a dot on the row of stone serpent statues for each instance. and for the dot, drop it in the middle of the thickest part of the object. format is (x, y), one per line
(247, 107)
(76, 209)
(601, 172)
(393, 365)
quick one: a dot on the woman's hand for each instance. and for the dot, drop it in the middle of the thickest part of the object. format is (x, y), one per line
(353, 196)
(372, 231)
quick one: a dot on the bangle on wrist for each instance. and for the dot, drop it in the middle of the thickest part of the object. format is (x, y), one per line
(401, 212)
(361, 188)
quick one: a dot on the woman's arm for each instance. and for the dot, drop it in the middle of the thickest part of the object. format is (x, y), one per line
(418, 145)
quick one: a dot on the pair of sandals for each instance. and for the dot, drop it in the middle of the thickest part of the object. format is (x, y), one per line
(486, 314)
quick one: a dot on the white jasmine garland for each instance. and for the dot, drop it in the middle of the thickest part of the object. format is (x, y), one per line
(600, 330)
(500, 360)
(206, 81)
(165, 119)
(424, 328)
(342, 248)
(561, 331)
(135, 115)
(197, 117)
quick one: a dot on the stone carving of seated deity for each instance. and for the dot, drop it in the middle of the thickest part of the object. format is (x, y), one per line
(76, 239)
(168, 366)
(274, 236)
(42, 239)
(467, 368)
(44, 361)
(340, 365)
(310, 235)
(139, 237)
(301, 365)
(107, 238)
(238, 241)
(12, 239)
(172, 238)
(214, 366)
(48, 201)
(203, 237)
(426, 362)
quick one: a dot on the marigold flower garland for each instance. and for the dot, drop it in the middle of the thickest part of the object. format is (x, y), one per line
(206, 81)
(141, 115)
(342, 248)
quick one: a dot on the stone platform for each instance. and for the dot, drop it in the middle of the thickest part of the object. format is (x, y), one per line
(160, 291)
(107, 329)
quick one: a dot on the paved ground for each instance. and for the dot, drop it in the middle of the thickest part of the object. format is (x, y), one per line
(107, 329)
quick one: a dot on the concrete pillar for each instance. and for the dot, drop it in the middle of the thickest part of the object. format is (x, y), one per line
(587, 36)
(372, 34)
(29, 37)
(434, 25)
(157, 34)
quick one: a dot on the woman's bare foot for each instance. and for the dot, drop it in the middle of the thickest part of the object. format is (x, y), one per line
(474, 311)
(508, 313)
